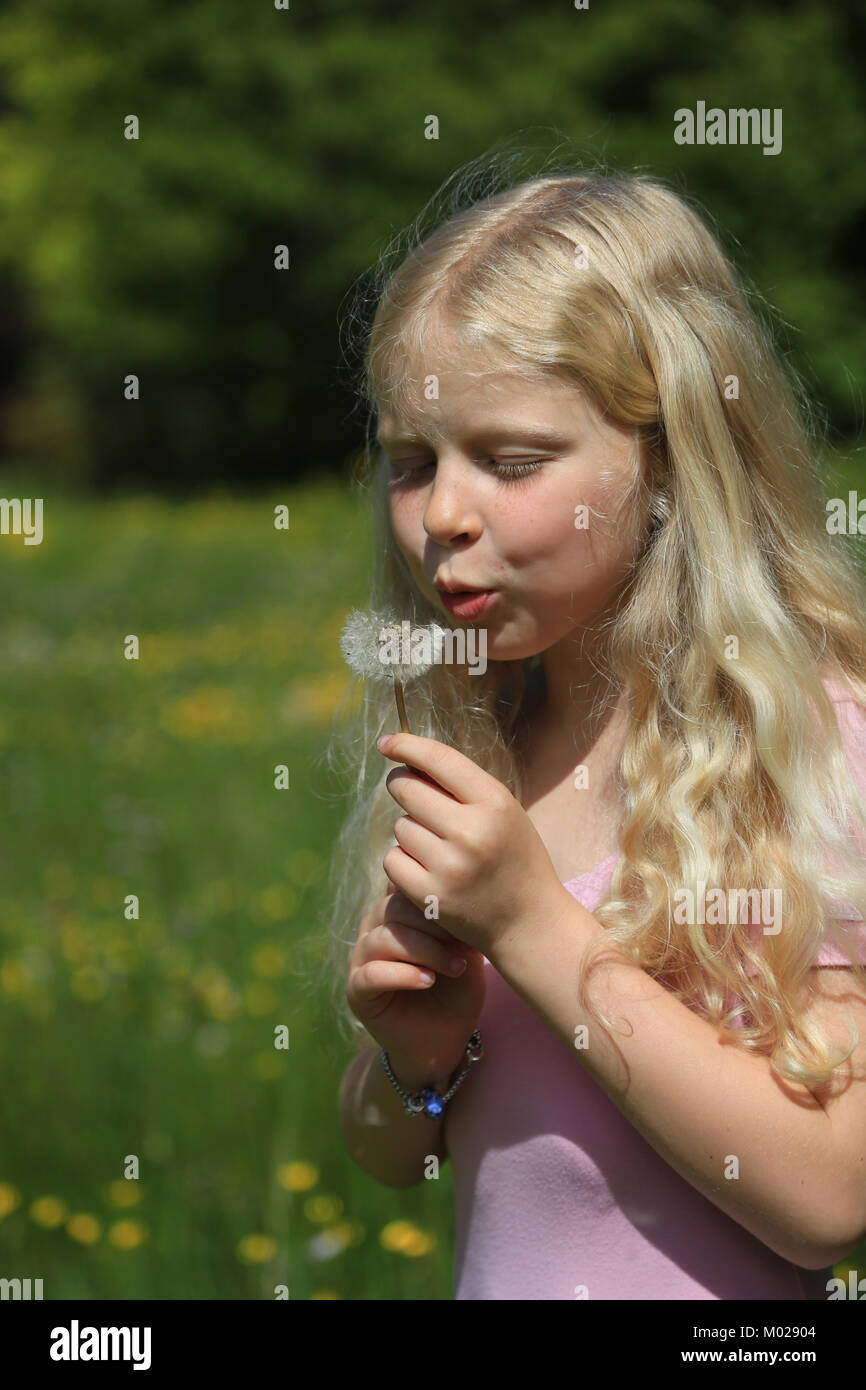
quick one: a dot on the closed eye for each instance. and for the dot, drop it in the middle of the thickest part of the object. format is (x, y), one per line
(505, 471)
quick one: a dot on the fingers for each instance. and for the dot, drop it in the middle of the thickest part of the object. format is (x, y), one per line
(396, 941)
(392, 956)
(377, 977)
(398, 908)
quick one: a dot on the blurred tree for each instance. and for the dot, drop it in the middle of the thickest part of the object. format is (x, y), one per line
(261, 127)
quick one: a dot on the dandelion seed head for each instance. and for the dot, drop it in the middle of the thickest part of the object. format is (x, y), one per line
(365, 639)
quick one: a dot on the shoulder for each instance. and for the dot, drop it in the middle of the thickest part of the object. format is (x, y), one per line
(850, 714)
(845, 931)
(841, 692)
(845, 927)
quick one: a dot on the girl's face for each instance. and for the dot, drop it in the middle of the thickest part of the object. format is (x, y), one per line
(458, 516)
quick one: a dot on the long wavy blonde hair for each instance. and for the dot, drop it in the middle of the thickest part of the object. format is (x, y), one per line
(732, 770)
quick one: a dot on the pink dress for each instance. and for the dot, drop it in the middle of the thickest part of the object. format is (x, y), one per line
(557, 1196)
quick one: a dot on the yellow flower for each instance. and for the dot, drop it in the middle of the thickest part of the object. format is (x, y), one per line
(84, 1228)
(269, 960)
(305, 867)
(324, 1293)
(10, 1198)
(418, 1243)
(275, 903)
(73, 942)
(124, 1192)
(216, 989)
(322, 1208)
(209, 976)
(12, 977)
(255, 1249)
(405, 1238)
(345, 1233)
(297, 1177)
(393, 1236)
(48, 1212)
(20, 976)
(314, 702)
(165, 652)
(211, 712)
(222, 1001)
(127, 1234)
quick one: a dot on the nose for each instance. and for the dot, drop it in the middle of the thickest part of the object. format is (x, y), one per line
(451, 513)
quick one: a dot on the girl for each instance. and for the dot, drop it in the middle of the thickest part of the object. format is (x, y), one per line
(630, 853)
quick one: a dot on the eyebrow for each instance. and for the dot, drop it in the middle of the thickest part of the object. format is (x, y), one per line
(516, 433)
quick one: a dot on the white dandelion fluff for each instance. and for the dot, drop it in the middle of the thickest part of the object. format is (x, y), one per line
(378, 646)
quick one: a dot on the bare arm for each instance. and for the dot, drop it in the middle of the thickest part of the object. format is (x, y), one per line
(390, 1145)
(697, 1101)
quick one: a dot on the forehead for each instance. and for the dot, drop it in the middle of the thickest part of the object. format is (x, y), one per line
(465, 404)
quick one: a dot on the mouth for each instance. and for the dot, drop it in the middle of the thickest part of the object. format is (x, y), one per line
(467, 603)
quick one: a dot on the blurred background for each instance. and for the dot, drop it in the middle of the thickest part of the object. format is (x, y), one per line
(261, 127)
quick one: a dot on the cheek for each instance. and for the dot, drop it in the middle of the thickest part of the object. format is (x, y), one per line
(540, 532)
(603, 537)
(526, 528)
(573, 540)
(406, 527)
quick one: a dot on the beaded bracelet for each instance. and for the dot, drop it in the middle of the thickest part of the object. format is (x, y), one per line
(429, 1100)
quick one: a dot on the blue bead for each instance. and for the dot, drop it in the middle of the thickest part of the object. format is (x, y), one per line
(432, 1102)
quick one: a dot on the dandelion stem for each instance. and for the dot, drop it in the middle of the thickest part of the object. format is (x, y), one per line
(401, 707)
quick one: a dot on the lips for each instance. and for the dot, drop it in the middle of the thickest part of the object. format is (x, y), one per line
(455, 586)
(468, 603)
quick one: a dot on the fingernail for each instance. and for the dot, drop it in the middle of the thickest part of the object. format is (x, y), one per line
(383, 742)
(458, 964)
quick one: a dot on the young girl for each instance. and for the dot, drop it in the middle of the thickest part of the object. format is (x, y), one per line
(629, 853)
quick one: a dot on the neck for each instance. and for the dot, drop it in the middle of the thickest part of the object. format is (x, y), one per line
(574, 703)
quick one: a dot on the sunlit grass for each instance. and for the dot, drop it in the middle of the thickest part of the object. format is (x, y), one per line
(156, 906)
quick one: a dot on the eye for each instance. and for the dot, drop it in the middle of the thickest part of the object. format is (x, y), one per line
(400, 474)
(505, 471)
(516, 470)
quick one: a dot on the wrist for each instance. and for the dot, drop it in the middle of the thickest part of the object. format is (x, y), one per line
(432, 1095)
(413, 1079)
(519, 949)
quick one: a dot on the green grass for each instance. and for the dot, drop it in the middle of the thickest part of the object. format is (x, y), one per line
(153, 1037)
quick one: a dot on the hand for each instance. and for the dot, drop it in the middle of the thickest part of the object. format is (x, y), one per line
(467, 842)
(423, 1028)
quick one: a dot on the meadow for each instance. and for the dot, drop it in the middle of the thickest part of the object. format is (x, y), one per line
(152, 1037)
(145, 1043)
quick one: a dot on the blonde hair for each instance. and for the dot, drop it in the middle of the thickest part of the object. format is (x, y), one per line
(732, 771)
